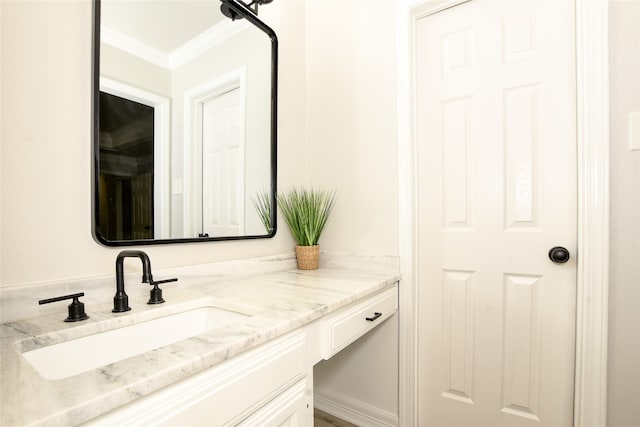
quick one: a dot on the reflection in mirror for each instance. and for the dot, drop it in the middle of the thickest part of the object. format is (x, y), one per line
(126, 168)
(184, 105)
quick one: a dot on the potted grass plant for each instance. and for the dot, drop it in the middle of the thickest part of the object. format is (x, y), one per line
(306, 212)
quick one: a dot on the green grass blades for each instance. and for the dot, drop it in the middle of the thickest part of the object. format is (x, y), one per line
(262, 203)
(306, 213)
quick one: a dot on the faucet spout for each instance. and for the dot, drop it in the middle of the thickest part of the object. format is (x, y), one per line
(121, 299)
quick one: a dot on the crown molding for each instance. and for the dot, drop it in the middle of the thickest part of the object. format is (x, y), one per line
(134, 47)
(182, 55)
(206, 40)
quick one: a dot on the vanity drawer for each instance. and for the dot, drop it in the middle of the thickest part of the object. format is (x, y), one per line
(345, 327)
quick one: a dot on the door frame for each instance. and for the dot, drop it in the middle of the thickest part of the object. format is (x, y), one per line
(592, 79)
(240, 171)
(161, 149)
(192, 139)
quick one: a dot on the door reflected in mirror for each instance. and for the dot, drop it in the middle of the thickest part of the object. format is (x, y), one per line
(126, 168)
(184, 138)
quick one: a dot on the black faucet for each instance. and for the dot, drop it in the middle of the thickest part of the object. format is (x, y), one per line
(121, 299)
(76, 308)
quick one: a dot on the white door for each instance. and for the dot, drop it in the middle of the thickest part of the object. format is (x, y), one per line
(222, 166)
(496, 149)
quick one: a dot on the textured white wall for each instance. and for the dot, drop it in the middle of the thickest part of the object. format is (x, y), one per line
(624, 279)
(45, 232)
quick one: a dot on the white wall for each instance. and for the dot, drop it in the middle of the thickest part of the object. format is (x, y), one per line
(623, 409)
(351, 129)
(45, 232)
(351, 146)
(123, 67)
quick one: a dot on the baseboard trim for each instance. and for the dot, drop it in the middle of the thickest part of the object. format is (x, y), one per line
(352, 410)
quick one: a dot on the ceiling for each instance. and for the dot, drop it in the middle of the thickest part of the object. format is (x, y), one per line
(162, 25)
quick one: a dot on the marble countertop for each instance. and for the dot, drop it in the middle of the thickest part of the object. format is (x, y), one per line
(277, 302)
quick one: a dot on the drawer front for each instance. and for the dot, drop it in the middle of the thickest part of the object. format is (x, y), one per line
(288, 409)
(344, 328)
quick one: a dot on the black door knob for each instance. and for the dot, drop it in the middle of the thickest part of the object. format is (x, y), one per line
(559, 255)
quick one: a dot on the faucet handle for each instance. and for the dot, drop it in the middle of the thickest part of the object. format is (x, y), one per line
(155, 295)
(76, 308)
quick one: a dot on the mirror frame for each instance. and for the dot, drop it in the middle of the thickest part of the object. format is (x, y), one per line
(243, 11)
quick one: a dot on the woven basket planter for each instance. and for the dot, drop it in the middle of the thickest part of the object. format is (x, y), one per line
(308, 257)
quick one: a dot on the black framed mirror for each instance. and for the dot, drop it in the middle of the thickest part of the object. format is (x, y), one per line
(184, 122)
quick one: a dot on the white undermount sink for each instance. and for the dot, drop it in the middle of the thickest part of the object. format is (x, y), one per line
(65, 359)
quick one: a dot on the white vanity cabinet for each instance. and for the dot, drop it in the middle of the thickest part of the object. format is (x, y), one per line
(228, 394)
(268, 386)
(289, 409)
